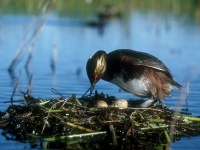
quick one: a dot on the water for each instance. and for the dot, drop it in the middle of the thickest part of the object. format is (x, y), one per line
(171, 39)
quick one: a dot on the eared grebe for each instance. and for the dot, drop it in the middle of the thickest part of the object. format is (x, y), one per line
(135, 72)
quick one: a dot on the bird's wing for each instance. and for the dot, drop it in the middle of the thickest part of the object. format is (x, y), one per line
(140, 58)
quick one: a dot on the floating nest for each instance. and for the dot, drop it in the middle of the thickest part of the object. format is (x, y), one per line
(71, 123)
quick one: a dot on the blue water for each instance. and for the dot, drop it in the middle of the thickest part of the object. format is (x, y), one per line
(173, 40)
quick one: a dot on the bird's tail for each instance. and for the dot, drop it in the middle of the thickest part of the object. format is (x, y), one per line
(177, 85)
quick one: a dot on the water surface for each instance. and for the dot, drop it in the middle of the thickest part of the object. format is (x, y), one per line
(172, 40)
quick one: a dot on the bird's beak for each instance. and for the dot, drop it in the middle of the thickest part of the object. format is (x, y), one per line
(92, 86)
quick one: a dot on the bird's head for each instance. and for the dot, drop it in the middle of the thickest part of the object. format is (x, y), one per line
(96, 67)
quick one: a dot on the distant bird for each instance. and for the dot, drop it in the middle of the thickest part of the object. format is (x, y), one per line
(135, 72)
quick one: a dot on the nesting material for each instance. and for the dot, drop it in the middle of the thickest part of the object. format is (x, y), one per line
(85, 126)
(101, 103)
(120, 103)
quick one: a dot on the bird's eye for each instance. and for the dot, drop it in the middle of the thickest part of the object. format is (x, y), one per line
(96, 76)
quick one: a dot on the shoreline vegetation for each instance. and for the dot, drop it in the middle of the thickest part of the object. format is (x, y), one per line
(189, 9)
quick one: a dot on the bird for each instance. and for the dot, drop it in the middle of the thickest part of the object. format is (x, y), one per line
(135, 72)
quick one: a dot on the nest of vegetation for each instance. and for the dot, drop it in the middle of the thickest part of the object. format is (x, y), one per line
(71, 123)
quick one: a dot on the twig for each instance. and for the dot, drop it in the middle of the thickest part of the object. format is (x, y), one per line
(53, 60)
(26, 96)
(56, 92)
(49, 114)
(11, 99)
(73, 125)
(36, 33)
(114, 138)
(174, 117)
(70, 138)
(166, 136)
(21, 48)
(29, 85)
(187, 96)
(79, 127)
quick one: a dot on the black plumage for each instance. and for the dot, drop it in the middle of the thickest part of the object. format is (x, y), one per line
(135, 72)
